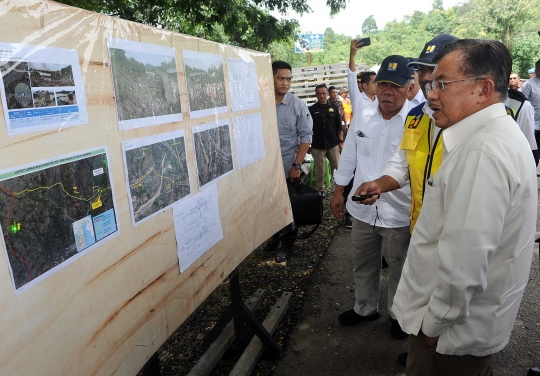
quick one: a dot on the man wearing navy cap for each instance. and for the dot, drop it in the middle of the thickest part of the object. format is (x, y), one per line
(372, 139)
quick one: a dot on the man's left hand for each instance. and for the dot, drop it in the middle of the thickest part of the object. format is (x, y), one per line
(294, 174)
(431, 341)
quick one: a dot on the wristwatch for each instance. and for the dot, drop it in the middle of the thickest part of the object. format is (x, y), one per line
(298, 166)
(341, 141)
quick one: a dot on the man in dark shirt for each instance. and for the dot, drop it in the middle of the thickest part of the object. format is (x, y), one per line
(327, 134)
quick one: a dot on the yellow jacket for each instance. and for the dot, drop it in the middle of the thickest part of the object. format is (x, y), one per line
(423, 161)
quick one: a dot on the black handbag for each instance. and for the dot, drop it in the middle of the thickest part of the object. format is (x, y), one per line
(307, 206)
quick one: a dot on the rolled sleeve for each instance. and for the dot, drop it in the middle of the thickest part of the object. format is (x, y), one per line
(397, 167)
(304, 125)
(466, 245)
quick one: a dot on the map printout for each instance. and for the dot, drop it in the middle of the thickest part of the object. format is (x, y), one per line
(41, 88)
(52, 212)
(156, 173)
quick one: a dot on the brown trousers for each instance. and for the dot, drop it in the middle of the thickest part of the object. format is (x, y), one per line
(425, 361)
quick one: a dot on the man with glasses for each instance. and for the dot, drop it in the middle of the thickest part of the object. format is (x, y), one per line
(375, 133)
(470, 255)
(295, 129)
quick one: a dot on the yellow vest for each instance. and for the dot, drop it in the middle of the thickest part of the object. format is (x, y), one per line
(423, 162)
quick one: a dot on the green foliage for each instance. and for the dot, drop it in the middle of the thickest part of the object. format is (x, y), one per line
(245, 23)
(525, 51)
(408, 36)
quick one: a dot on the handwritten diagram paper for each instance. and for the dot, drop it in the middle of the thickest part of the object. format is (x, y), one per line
(248, 139)
(197, 225)
(41, 88)
(243, 84)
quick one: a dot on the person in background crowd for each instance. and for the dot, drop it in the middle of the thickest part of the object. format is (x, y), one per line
(514, 81)
(531, 90)
(531, 73)
(344, 95)
(327, 135)
(333, 97)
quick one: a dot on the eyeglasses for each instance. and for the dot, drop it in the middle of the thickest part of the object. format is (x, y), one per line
(439, 84)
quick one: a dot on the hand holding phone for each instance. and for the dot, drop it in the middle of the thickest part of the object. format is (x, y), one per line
(363, 42)
(364, 197)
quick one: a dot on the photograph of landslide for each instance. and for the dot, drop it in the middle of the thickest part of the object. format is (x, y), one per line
(45, 75)
(213, 151)
(205, 81)
(44, 98)
(16, 78)
(145, 84)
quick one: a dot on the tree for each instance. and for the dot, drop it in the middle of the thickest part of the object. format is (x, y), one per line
(437, 5)
(245, 23)
(369, 26)
(525, 52)
(503, 17)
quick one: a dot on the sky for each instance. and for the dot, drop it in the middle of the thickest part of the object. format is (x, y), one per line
(349, 21)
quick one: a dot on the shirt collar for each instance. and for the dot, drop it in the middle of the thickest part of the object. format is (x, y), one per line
(286, 99)
(364, 95)
(460, 131)
(372, 109)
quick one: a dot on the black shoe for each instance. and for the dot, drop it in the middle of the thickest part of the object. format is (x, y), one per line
(283, 254)
(535, 371)
(271, 245)
(402, 359)
(384, 264)
(348, 220)
(396, 331)
(322, 194)
(352, 318)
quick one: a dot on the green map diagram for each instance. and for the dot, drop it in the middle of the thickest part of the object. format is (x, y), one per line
(157, 176)
(51, 212)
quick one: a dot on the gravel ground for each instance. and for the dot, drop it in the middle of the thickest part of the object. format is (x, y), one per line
(320, 277)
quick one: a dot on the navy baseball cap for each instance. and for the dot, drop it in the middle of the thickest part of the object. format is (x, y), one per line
(394, 70)
(433, 45)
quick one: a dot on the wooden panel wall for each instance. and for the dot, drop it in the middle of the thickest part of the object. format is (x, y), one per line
(109, 311)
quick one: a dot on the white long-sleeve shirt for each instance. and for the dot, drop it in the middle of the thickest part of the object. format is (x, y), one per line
(370, 143)
(358, 100)
(470, 253)
(525, 121)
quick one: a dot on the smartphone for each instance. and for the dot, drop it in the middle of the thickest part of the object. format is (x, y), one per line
(363, 42)
(363, 197)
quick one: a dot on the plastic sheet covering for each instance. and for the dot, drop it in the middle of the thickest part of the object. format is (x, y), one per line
(107, 125)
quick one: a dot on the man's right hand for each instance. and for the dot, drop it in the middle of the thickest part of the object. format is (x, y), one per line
(369, 187)
(355, 47)
(337, 205)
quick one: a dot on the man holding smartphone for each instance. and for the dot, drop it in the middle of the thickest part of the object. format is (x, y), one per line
(375, 133)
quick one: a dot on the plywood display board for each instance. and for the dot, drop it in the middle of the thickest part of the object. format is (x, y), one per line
(107, 127)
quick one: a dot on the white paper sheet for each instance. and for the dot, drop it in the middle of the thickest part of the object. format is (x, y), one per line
(197, 226)
(248, 139)
(157, 173)
(243, 84)
(213, 151)
(145, 82)
(205, 82)
(41, 88)
(58, 210)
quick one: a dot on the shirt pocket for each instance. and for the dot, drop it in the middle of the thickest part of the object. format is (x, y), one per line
(409, 143)
(364, 146)
(287, 128)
